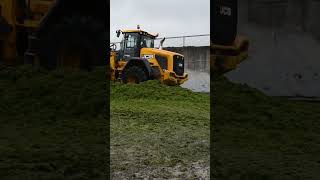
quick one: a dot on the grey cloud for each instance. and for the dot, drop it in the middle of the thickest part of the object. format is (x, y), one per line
(167, 17)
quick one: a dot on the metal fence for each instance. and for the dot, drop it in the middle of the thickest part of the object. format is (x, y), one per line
(195, 58)
(181, 41)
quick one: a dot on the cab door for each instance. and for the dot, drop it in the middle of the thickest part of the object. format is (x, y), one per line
(131, 45)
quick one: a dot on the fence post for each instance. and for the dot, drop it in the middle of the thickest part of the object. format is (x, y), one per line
(184, 40)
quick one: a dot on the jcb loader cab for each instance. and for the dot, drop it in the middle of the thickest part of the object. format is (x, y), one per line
(138, 60)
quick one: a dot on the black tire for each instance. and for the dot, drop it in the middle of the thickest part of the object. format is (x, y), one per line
(134, 72)
(76, 41)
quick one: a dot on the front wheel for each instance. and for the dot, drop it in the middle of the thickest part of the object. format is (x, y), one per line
(134, 75)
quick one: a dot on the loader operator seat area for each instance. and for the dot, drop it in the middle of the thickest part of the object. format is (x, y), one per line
(147, 42)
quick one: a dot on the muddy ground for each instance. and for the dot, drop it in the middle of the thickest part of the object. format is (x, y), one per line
(159, 132)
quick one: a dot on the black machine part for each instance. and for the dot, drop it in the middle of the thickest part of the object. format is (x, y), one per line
(4, 26)
(88, 21)
(224, 21)
(96, 9)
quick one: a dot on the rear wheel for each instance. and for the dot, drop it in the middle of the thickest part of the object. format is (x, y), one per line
(134, 75)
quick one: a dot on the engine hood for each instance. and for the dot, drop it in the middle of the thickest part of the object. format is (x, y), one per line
(158, 52)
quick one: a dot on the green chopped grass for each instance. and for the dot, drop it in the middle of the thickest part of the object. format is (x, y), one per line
(52, 124)
(261, 137)
(158, 131)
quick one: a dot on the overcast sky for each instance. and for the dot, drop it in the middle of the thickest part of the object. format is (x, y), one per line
(166, 17)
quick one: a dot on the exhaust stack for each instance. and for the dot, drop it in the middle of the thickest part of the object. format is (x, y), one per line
(161, 43)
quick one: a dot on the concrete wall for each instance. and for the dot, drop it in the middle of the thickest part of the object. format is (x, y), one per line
(197, 65)
(196, 58)
(294, 15)
(284, 46)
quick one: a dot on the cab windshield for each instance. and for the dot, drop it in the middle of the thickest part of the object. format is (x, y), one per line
(147, 41)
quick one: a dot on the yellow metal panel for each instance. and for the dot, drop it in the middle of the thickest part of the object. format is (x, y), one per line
(9, 52)
(40, 6)
(8, 11)
(30, 24)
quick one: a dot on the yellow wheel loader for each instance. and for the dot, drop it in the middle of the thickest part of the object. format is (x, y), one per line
(138, 60)
(53, 33)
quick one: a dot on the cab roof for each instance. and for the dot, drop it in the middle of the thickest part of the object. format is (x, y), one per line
(138, 31)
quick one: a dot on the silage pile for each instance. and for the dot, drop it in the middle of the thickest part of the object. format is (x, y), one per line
(260, 137)
(52, 124)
